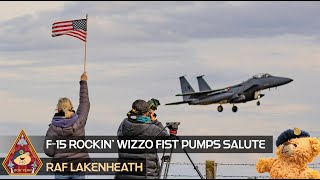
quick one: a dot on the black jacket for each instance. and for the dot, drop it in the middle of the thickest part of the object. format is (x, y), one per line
(131, 128)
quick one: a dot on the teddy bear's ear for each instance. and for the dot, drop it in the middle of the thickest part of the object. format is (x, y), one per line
(315, 144)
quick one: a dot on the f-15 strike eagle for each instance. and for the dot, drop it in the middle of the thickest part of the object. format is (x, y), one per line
(247, 91)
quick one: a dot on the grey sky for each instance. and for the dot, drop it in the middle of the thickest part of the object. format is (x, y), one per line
(139, 49)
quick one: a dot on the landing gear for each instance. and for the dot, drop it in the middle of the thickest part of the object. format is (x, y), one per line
(220, 108)
(258, 103)
(234, 108)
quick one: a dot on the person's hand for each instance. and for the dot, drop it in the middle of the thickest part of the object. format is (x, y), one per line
(84, 77)
(152, 116)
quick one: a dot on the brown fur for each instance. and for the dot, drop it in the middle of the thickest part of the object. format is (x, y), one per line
(294, 166)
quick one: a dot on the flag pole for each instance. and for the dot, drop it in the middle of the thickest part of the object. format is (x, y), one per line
(85, 45)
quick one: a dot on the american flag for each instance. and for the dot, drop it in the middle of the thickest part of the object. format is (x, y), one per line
(74, 28)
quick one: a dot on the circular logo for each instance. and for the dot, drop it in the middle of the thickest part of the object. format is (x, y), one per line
(296, 131)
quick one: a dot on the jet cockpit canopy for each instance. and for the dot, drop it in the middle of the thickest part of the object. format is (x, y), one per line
(262, 75)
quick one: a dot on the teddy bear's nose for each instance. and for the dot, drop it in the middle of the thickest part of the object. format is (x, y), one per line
(22, 159)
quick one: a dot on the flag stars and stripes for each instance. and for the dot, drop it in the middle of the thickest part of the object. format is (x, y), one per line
(74, 28)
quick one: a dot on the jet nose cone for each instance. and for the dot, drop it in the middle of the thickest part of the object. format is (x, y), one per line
(284, 81)
(279, 81)
(288, 80)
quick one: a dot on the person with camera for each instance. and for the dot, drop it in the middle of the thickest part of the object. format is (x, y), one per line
(142, 122)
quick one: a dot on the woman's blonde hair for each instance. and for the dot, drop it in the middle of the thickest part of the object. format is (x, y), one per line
(65, 105)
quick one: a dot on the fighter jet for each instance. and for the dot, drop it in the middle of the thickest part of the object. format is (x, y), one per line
(249, 90)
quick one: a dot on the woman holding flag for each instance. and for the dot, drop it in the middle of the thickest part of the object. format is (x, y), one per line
(68, 123)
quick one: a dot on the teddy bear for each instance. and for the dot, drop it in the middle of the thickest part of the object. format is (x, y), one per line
(295, 149)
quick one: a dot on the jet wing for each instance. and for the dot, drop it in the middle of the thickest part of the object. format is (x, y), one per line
(177, 103)
(210, 92)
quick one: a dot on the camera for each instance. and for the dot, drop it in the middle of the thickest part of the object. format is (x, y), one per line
(153, 104)
(173, 125)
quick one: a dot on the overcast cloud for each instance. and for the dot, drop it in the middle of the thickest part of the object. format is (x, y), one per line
(139, 49)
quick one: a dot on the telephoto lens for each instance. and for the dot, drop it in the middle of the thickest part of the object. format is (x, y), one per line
(153, 104)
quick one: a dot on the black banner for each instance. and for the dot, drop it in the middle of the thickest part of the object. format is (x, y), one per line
(114, 144)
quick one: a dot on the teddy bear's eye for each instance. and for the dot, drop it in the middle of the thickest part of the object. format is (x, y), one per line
(295, 145)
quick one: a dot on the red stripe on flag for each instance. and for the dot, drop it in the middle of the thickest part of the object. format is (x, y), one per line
(82, 31)
(61, 22)
(78, 33)
(76, 37)
(60, 34)
(70, 25)
(61, 30)
(75, 34)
